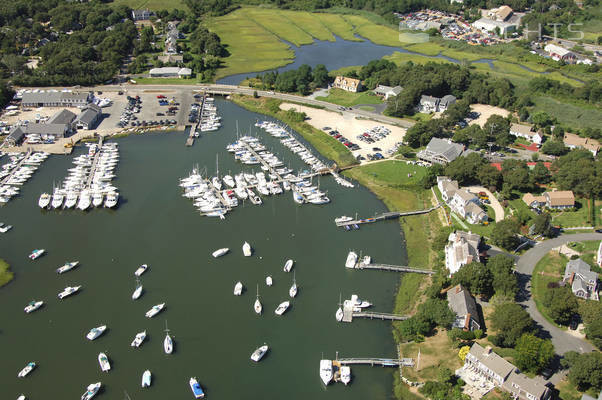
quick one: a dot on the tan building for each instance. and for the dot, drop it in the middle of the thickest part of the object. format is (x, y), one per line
(534, 201)
(573, 141)
(525, 131)
(560, 199)
(348, 84)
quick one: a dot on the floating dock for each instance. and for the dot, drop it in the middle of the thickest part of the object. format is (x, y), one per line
(384, 362)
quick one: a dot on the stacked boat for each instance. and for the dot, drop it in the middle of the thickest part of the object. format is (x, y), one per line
(17, 171)
(209, 120)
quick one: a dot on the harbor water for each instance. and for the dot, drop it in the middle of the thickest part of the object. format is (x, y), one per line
(214, 332)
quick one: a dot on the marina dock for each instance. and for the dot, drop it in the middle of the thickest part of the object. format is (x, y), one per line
(394, 268)
(383, 362)
(6, 180)
(384, 217)
(94, 165)
(349, 314)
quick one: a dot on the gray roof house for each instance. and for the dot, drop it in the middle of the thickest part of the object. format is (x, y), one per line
(583, 281)
(55, 99)
(15, 136)
(387, 91)
(462, 248)
(89, 117)
(428, 104)
(62, 117)
(446, 101)
(464, 306)
(441, 151)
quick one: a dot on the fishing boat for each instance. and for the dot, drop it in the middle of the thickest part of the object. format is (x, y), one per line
(37, 253)
(69, 290)
(139, 339)
(351, 260)
(155, 310)
(44, 200)
(33, 305)
(259, 353)
(345, 374)
(67, 267)
(288, 265)
(137, 291)
(220, 252)
(246, 249)
(141, 269)
(146, 378)
(103, 360)
(25, 371)
(326, 371)
(268, 280)
(197, 390)
(167, 342)
(96, 332)
(257, 306)
(282, 307)
(293, 290)
(238, 289)
(91, 391)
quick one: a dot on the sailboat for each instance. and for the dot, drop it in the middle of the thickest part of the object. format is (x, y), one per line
(168, 342)
(257, 305)
(293, 290)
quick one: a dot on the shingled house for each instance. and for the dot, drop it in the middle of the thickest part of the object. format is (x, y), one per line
(464, 306)
(583, 281)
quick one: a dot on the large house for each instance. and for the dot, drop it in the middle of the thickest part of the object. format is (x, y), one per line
(440, 151)
(429, 104)
(387, 91)
(526, 132)
(461, 201)
(56, 99)
(560, 199)
(464, 306)
(499, 372)
(462, 248)
(173, 72)
(573, 141)
(142, 15)
(583, 281)
(348, 84)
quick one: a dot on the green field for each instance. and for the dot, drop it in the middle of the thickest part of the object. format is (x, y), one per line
(549, 269)
(348, 99)
(155, 5)
(572, 116)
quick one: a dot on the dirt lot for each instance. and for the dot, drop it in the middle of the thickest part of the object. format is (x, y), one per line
(486, 111)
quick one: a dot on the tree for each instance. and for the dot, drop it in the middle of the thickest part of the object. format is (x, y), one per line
(540, 174)
(510, 321)
(504, 280)
(554, 148)
(320, 76)
(498, 129)
(504, 234)
(593, 332)
(465, 169)
(430, 178)
(562, 305)
(515, 174)
(474, 276)
(543, 224)
(532, 353)
(489, 176)
(577, 171)
(585, 370)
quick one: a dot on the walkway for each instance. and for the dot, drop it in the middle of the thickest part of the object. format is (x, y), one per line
(495, 204)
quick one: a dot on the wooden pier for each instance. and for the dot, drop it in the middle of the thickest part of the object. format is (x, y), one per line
(385, 216)
(15, 169)
(383, 362)
(394, 268)
(94, 165)
(349, 314)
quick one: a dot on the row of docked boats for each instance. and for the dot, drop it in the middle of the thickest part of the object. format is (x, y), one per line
(333, 370)
(209, 120)
(17, 171)
(88, 183)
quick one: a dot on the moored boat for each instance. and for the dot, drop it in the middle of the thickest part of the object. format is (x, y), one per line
(96, 332)
(259, 353)
(288, 265)
(69, 290)
(268, 280)
(155, 310)
(238, 289)
(220, 252)
(146, 378)
(257, 306)
(246, 249)
(293, 290)
(91, 391)
(137, 291)
(37, 253)
(67, 267)
(351, 260)
(25, 371)
(339, 314)
(103, 360)
(141, 269)
(197, 390)
(44, 200)
(282, 307)
(33, 305)
(168, 341)
(139, 339)
(326, 371)
(345, 374)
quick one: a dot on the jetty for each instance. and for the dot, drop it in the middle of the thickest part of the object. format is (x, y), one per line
(383, 362)
(384, 217)
(349, 314)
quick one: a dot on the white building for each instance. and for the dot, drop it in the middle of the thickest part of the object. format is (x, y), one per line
(525, 131)
(462, 202)
(599, 257)
(560, 53)
(170, 72)
(387, 91)
(462, 248)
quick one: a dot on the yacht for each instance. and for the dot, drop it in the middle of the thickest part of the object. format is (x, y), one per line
(282, 307)
(155, 310)
(36, 253)
(293, 290)
(146, 378)
(91, 391)
(69, 290)
(44, 200)
(141, 269)
(111, 200)
(268, 280)
(96, 332)
(167, 342)
(25, 371)
(57, 199)
(238, 289)
(259, 353)
(351, 260)
(67, 267)
(197, 390)
(228, 180)
(71, 200)
(220, 252)
(345, 374)
(257, 306)
(33, 305)
(97, 199)
(326, 371)
(246, 249)
(84, 200)
(138, 291)
(342, 219)
(288, 265)
(139, 339)
(103, 360)
(356, 302)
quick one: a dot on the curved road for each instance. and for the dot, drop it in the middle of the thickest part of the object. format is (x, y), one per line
(562, 340)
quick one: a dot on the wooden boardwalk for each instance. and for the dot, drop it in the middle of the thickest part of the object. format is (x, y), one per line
(378, 315)
(394, 268)
(386, 216)
(384, 362)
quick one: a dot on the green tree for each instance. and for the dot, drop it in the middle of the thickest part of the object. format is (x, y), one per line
(543, 224)
(540, 174)
(474, 276)
(504, 279)
(504, 234)
(498, 129)
(585, 370)
(465, 169)
(510, 321)
(554, 148)
(593, 332)
(320, 76)
(561, 303)
(489, 176)
(532, 353)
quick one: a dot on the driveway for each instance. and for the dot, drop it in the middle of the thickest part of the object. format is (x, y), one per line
(495, 204)
(563, 341)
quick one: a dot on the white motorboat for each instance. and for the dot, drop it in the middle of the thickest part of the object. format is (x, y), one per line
(228, 180)
(57, 199)
(342, 219)
(167, 342)
(351, 260)
(257, 306)
(339, 314)
(33, 305)
(137, 291)
(96, 332)
(259, 353)
(69, 290)
(103, 360)
(141, 269)
(22, 397)
(326, 371)
(84, 200)
(216, 182)
(37, 253)
(196, 388)
(91, 391)
(246, 249)
(356, 302)
(238, 289)
(67, 267)
(288, 265)
(25, 371)
(71, 200)
(268, 280)
(97, 199)
(155, 310)
(5, 228)
(146, 378)
(220, 252)
(281, 309)
(139, 339)
(293, 290)
(44, 200)
(345, 374)
(111, 200)
(367, 260)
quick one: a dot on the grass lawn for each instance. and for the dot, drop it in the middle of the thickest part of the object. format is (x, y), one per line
(580, 217)
(367, 108)
(5, 274)
(155, 5)
(568, 391)
(589, 251)
(574, 116)
(436, 353)
(348, 99)
(549, 269)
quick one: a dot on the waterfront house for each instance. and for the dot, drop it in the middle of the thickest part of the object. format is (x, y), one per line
(464, 306)
(387, 91)
(348, 84)
(462, 248)
(526, 132)
(440, 151)
(55, 99)
(89, 117)
(573, 141)
(428, 104)
(583, 281)
(560, 199)
(447, 187)
(170, 72)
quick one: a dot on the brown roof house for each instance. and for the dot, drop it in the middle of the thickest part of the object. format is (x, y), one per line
(534, 201)
(348, 84)
(464, 306)
(573, 141)
(560, 199)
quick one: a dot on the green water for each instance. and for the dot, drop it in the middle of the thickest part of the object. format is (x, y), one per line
(214, 331)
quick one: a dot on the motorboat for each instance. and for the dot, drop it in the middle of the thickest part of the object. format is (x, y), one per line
(141, 269)
(25, 371)
(85, 200)
(351, 260)
(197, 390)
(103, 360)
(343, 219)
(37, 253)
(67, 267)
(326, 371)
(268, 280)
(96, 332)
(155, 310)
(33, 305)
(69, 290)
(246, 249)
(216, 182)
(71, 200)
(339, 314)
(5, 228)
(57, 199)
(228, 180)
(97, 199)
(138, 291)
(44, 200)
(288, 265)
(220, 252)
(111, 200)
(91, 391)
(238, 289)
(22, 397)
(293, 290)
(356, 302)
(345, 374)
(257, 306)
(139, 339)
(259, 353)
(281, 309)
(367, 260)
(146, 379)
(167, 342)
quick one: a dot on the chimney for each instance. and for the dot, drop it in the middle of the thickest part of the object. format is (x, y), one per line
(487, 350)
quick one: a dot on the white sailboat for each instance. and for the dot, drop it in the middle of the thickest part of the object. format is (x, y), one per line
(167, 342)
(238, 289)
(246, 249)
(339, 314)
(257, 306)
(293, 290)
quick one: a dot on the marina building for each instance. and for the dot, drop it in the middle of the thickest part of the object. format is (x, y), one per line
(62, 117)
(462, 248)
(15, 136)
(464, 306)
(440, 151)
(89, 117)
(583, 281)
(56, 99)
(348, 84)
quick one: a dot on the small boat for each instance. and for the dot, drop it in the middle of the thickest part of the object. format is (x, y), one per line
(69, 290)
(146, 378)
(268, 280)
(293, 290)
(288, 265)
(326, 371)
(345, 374)
(167, 342)
(220, 252)
(33, 305)
(91, 391)
(342, 219)
(22, 397)
(103, 360)
(36, 254)
(97, 199)
(137, 291)
(141, 269)
(67, 267)
(246, 249)
(197, 390)
(367, 260)
(96, 332)
(356, 302)
(257, 306)
(238, 289)
(111, 200)
(155, 310)
(139, 339)
(282, 307)
(25, 371)
(259, 353)
(5, 228)
(351, 260)
(44, 200)
(339, 314)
